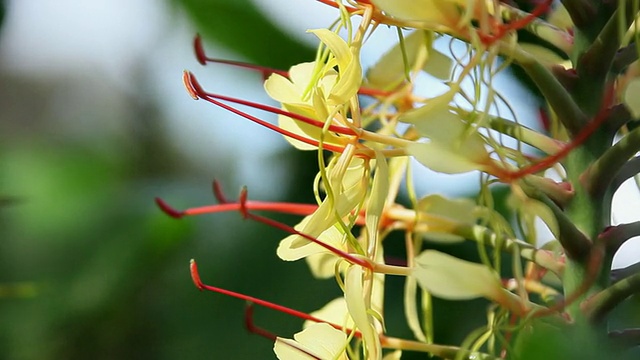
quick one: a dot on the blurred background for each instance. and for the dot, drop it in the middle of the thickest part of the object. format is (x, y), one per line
(95, 123)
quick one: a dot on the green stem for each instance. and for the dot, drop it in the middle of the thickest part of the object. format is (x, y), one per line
(626, 337)
(576, 245)
(614, 236)
(630, 169)
(525, 134)
(599, 305)
(624, 57)
(580, 11)
(487, 237)
(443, 351)
(600, 174)
(561, 102)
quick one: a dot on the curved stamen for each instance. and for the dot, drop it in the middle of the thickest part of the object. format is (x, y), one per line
(279, 207)
(203, 60)
(243, 206)
(194, 89)
(272, 109)
(195, 276)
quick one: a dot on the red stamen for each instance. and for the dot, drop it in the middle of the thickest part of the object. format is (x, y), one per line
(203, 59)
(283, 207)
(243, 206)
(168, 209)
(194, 84)
(217, 192)
(283, 309)
(188, 84)
(195, 276)
(197, 46)
(243, 202)
(319, 124)
(252, 328)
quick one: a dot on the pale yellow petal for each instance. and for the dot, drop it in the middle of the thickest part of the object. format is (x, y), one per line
(458, 210)
(321, 340)
(354, 295)
(448, 277)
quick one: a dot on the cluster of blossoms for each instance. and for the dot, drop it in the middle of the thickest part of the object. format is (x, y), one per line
(459, 131)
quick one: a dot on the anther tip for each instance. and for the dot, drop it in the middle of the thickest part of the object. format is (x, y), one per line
(168, 209)
(188, 82)
(195, 276)
(197, 46)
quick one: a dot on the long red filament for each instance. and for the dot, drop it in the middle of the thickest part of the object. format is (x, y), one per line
(194, 89)
(195, 276)
(203, 59)
(243, 206)
(266, 71)
(283, 207)
(335, 128)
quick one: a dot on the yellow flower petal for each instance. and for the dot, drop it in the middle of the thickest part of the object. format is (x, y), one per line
(349, 69)
(321, 340)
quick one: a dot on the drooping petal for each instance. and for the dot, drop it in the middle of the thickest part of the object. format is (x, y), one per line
(358, 309)
(440, 157)
(377, 199)
(321, 340)
(349, 69)
(348, 192)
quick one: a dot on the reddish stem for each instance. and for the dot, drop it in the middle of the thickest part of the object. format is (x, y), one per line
(581, 137)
